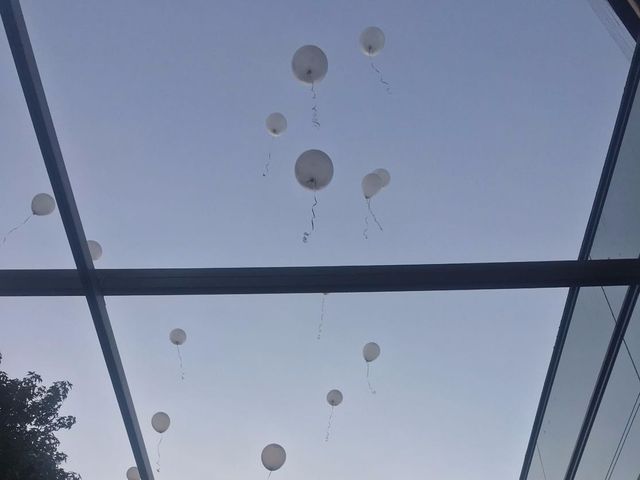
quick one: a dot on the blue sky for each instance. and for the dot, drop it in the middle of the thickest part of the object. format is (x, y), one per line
(494, 136)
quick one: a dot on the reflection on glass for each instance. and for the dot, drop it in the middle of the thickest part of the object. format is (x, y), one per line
(591, 326)
(612, 449)
(618, 234)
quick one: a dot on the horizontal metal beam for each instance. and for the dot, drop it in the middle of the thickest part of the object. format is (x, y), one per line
(378, 278)
(85, 281)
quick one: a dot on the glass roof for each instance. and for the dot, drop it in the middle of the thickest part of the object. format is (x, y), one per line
(494, 134)
(452, 364)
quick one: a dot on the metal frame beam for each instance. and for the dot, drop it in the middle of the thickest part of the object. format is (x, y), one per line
(278, 280)
(26, 66)
(628, 11)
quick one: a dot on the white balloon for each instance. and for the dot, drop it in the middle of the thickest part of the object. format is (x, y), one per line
(309, 64)
(372, 41)
(95, 249)
(42, 204)
(273, 457)
(334, 398)
(160, 422)
(384, 175)
(314, 169)
(371, 184)
(371, 351)
(276, 124)
(178, 336)
(133, 474)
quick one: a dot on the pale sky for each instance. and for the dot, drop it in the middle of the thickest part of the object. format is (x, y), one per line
(494, 135)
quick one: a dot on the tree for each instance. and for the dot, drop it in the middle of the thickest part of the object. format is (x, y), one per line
(28, 422)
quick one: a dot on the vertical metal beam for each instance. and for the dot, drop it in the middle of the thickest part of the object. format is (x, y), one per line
(608, 363)
(24, 59)
(608, 169)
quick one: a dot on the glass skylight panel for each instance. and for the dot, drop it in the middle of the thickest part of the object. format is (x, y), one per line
(55, 338)
(253, 372)
(493, 135)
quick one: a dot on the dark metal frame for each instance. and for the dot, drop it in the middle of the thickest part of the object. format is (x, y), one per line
(94, 284)
(627, 16)
(377, 278)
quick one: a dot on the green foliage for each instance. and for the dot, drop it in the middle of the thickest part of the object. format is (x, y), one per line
(28, 422)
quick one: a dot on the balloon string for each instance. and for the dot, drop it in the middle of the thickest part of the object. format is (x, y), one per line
(158, 461)
(269, 476)
(324, 295)
(268, 164)
(386, 84)
(314, 108)
(326, 437)
(313, 212)
(4, 239)
(180, 357)
(371, 389)
(366, 227)
(373, 215)
(306, 235)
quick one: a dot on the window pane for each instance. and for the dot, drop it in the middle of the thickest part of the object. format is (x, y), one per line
(26, 241)
(457, 381)
(55, 338)
(615, 438)
(583, 352)
(494, 134)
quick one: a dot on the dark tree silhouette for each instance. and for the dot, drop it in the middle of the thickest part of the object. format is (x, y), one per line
(28, 422)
